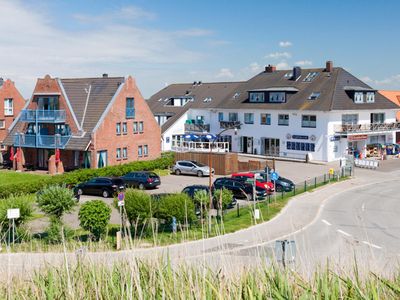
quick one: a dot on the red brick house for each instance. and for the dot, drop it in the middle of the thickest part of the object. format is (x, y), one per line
(85, 123)
(11, 103)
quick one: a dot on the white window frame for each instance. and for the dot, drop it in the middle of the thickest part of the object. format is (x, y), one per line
(370, 97)
(220, 116)
(277, 97)
(247, 120)
(125, 153)
(267, 117)
(233, 114)
(8, 107)
(286, 119)
(2, 124)
(358, 97)
(118, 153)
(257, 97)
(135, 127)
(141, 127)
(118, 128)
(124, 128)
(146, 150)
(307, 123)
(140, 151)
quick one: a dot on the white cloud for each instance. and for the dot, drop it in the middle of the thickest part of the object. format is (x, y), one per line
(282, 65)
(392, 82)
(224, 73)
(279, 55)
(39, 46)
(285, 44)
(255, 67)
(303, 63)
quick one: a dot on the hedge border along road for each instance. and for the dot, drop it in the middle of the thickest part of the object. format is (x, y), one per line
(72, 178)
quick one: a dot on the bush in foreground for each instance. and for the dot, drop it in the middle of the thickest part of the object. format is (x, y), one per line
(178, 205)
(139, 206)
(94, 217)
(25, 205)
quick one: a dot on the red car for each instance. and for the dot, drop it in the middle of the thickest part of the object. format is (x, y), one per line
(260, 181)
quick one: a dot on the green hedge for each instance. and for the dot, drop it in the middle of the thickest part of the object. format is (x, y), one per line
(81, 175)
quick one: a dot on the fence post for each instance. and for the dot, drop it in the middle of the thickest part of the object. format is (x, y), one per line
(324, 178)
(238, 211)
(282, 193)
(305, 185)
(315, 182)
(294, 190)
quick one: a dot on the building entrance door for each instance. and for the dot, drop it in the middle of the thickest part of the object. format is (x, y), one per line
(43, 156)
(247, 144)
(271, 147)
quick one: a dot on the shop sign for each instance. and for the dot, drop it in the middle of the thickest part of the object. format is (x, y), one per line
(300, 137)
(360, 137)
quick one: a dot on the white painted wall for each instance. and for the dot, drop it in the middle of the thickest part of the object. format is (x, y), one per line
(177, 128)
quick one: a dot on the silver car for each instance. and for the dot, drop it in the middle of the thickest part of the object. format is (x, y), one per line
(191, 167)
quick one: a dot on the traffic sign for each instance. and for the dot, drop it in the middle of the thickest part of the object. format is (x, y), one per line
(331, 171)
(121, 203)
(121, 196)
(274, 176)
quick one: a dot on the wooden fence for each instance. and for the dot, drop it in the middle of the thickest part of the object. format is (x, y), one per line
(223, 163)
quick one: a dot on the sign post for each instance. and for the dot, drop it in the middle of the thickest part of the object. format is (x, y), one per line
(121, 203)
(274, 178)
(256, 211)
(12, 214)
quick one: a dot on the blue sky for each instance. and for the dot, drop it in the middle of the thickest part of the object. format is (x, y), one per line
(163, 42)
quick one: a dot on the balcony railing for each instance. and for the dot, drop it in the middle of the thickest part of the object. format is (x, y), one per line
(185, 146)
(41, 141)
(366, 128)
(43, 116)
(230, 124)
(197, 127)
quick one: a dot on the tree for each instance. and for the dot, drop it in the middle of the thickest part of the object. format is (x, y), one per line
(94, 217)
(138, 206)
(56, 200)
(225, 196)
(179, 205)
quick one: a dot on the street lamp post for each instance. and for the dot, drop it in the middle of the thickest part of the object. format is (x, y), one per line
(235, 127)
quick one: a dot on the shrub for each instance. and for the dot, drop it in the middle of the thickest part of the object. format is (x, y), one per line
(55, 231)
(56, 200)
(138, 206)
(179, 205)
(72, 178)
(223, 196)
(94, 217)
(25, 205)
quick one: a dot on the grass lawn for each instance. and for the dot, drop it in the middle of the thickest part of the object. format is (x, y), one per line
(8, 177)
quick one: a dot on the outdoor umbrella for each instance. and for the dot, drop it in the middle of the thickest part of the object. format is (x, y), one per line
(210, 136)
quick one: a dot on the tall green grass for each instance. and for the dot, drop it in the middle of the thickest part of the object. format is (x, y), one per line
(161, 280)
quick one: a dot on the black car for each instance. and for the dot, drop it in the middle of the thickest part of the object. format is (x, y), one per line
(142, 180)
(240, 189)
(192, 189)
(104, 186)
(281, 184)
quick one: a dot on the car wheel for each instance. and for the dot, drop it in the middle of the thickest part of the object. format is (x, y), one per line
(80, 192)
(141, 186)
(199, 174)
(178, 172)
(105, 194)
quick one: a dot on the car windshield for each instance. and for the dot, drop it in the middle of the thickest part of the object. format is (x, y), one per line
(153, 175)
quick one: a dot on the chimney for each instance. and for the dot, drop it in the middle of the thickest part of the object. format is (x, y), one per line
(270, 69)
(329, 66)
(105, 75)
(296, 73)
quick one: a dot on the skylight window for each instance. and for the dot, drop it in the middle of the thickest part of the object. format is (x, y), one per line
(236, 95)
(310, 76)
(314, 96)
(288, 75)
(161, 99)
(207, 99)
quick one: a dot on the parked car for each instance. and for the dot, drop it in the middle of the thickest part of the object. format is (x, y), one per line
(260, 181)
(191, 167)
(6, 162)
(142, 180)
(104, 186)
(240, 189)
(192, 189)
(281, 184)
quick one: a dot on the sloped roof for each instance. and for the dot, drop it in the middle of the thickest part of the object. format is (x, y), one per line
(100, 91)
(393, 96)
(217, 91)
(330, 85)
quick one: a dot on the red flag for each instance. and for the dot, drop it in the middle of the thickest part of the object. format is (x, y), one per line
(12, 153)
(58, 158)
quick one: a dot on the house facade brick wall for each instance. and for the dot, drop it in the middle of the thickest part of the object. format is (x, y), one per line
(9, 91)
(105, 137)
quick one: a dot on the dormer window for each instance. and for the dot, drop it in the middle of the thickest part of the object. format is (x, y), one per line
(370, 97)
(314, 96)
(277, 97)
(257, 97)
(358, 97)
(179, 101)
